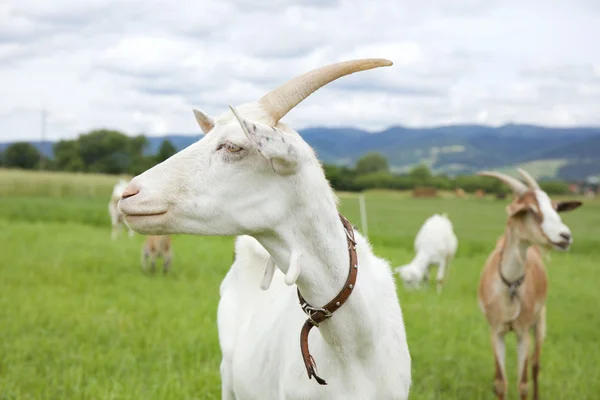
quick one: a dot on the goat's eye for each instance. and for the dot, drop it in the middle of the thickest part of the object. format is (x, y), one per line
(230, 147)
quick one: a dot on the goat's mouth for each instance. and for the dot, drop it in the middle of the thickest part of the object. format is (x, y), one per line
(562, 246)
(153, 214)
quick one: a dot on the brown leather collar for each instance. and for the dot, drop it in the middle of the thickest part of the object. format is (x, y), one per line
(514, 285)
(318, 315)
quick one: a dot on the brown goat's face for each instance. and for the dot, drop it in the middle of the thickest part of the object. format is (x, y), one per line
(536, 219)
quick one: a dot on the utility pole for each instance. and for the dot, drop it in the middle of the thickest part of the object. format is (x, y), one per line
(43, 145)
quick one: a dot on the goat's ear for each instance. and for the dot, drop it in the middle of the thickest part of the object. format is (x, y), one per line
(516, 208)
(204, 121)
(271, 143)
(565, 206)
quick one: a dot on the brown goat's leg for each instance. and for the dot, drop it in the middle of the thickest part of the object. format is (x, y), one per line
(144, 260)
(523, 356)
(166, 263)
(500, 383)
(540, 334)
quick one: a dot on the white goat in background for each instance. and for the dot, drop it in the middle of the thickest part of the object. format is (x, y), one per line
(116, 217)
(253, 175)
(435, 243)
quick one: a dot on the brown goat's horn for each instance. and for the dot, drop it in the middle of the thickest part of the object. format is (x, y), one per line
(516, 185)
(529, 179)
(280, 101)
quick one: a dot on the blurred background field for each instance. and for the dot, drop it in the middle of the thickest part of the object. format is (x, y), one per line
(80, 320)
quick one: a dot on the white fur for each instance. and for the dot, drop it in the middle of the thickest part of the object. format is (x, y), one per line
(552, 224)
(247, 177)
(116, 217)
(275, 190)
(361, 355)
(435, 243)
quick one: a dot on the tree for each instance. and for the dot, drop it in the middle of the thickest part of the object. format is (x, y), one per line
(105, 151)
(21, 155)
(554, 187)
(421, 174)
(165, 151)
(66, 156)
(137, 145)
(372, 162)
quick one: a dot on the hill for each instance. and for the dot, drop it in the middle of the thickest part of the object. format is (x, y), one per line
(572, 153)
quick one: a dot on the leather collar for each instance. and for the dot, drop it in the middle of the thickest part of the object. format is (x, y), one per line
(318, 315)
(512, 286)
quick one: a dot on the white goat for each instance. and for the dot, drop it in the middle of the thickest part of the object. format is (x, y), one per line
(253, 175)
(116, 217)
(435, 243)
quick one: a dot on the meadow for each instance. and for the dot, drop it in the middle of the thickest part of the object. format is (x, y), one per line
(79, 320)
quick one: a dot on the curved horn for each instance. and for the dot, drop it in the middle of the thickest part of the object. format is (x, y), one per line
(516, 185)
(280, 101)
(529, 179)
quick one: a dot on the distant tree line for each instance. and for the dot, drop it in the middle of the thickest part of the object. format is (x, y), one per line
(101, 151)
(112, 152)
(372, 172)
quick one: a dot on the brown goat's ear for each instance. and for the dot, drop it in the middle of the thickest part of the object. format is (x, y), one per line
(516, 208)
(565, 206)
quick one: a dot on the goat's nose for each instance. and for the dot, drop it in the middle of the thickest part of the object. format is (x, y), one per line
(566, 235)
(130, 191)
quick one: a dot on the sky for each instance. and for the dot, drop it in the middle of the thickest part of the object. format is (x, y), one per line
(140, 66)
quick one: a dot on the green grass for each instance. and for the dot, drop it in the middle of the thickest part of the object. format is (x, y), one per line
(80, 321)
(15, 182)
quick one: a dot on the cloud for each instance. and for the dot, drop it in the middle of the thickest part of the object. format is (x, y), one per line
(141, 65)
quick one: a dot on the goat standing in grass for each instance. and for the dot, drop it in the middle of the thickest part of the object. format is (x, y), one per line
(513, 284)
(435, 243)
(116, 217)
(253, 175)
(157, 246)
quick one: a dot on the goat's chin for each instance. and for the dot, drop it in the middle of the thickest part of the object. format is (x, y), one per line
(152, 224)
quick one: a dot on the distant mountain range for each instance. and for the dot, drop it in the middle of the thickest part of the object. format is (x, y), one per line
(567, 153)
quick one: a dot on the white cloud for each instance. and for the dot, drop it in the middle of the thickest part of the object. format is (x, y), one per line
(141, 65)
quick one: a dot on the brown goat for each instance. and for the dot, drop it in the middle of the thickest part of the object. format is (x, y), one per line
(460, 193)
(480, 193)
(513, 283)
(155, 247)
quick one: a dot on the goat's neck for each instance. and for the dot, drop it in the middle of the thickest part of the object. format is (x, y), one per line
(514, 254)
(421, 260)
(315, 233)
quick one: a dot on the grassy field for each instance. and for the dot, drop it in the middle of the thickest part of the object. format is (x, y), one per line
(79, 320)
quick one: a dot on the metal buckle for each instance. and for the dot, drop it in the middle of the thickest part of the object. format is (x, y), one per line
(512, 289)
(310, 310)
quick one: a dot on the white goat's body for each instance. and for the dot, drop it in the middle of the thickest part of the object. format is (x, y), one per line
(435, 243)
(254, 175)
(361, 351)
(116, 217)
